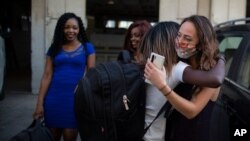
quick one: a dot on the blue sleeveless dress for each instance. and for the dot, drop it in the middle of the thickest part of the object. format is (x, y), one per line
(68, 69)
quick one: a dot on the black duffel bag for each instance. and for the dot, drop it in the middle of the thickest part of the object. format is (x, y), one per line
(37, 131)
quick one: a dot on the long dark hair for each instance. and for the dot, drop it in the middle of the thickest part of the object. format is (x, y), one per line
(59, 38)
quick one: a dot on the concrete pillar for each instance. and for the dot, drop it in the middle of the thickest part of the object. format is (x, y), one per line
(55, 8)
(45, 14)
(176, 10)
(168, 10)
(37, 43)
(224, 10)
(204, 8)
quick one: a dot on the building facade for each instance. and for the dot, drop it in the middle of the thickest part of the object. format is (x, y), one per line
(45, 13)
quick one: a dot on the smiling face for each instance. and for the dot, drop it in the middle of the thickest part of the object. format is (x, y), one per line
(71, 30)
(187, 35)
(187, 39)
(135, 37)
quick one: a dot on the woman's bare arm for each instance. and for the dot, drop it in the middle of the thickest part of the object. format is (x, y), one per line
(44, 85)
(91, 61)
(189, 108)
(212, 78)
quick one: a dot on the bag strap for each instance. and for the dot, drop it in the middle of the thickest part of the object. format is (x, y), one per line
(36, 122)
(124, 56)
(159, 113)
(85, 48)
(85, 51)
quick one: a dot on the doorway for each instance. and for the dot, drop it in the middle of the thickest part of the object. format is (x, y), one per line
(16, 26)
(248, 9)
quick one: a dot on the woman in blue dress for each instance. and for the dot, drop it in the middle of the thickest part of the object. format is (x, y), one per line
(69, 55)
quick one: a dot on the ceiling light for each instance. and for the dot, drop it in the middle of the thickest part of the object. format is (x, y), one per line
(111, 2)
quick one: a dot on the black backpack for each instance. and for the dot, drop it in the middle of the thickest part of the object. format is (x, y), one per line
(110, 101)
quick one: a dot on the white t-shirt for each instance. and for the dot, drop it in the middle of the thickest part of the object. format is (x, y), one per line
(154, 102)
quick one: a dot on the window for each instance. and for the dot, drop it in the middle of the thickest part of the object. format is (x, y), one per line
(110, 24)
(124, 24)
(244, 73)
(228, 47)
(121, 24)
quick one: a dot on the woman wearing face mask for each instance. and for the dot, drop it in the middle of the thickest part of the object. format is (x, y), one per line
(134, 35)
(193, 106)
(161, 40)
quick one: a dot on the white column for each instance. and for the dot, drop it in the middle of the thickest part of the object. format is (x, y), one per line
(204, 8)
(37, 43)
(168, 10)
(55, 8)
(224, 10)
(78, 7)
(176, 10)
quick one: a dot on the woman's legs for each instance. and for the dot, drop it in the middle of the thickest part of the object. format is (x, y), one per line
(57, 133)
(70, 134)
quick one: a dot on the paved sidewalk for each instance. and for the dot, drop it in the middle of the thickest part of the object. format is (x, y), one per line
(16, 113)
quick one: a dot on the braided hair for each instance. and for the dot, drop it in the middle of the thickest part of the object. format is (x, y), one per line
(59, 39)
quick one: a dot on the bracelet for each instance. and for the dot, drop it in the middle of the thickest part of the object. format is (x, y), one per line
(168, 93)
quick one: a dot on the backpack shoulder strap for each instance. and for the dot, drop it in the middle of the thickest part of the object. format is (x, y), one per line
(124, 56)
(163, 108)
(85, 49)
